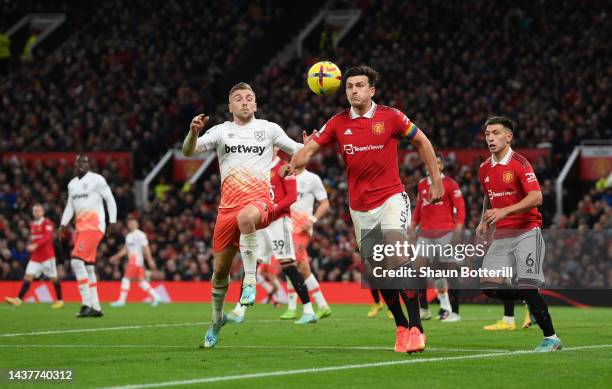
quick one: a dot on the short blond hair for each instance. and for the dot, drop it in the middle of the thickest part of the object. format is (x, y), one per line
(240, 86)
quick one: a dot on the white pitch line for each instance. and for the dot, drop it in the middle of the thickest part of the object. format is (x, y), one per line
(288, 347)
(337, 368)
(119, 328)
(135, 327)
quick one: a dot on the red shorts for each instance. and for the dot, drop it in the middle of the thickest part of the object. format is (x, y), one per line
(273, 268)
(133, 271)
(86, 245)
(226, 231)
(300, 241)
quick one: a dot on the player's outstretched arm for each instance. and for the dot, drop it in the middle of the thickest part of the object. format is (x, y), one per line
(426, 151)
(190, 142)
(304, 156)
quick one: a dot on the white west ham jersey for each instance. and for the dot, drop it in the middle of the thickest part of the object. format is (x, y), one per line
(135, 242)
(85, 196)
(245, 155)
(309, 188)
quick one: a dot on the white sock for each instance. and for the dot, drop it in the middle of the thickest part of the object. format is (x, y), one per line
(125, 288)
(553, 336)
(144, 285)
(281, 295)
(239, 309)
(248, 251)
(219, 289)
(93, 287)
(80, 272)
(313, 287)
(444, 301)
(291, 297)
(509, 319)
(308, 309)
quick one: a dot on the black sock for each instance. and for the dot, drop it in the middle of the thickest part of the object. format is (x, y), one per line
(423, 299)
(539, 310)
(375, 295)
(58, 289)
(453, 296)
(24, 289)
(391, 297)
(411, 300)
(508, 307)
(291, 271)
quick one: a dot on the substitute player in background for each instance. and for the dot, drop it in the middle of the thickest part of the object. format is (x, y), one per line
(512, 195)
(244, 149)
(440, 225)
(87, 193)
(309, 188)
(42, 260)
(137, 250)
(367, 136)
(276, 240)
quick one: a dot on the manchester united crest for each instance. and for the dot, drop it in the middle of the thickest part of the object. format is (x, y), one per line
(378, 128)
(508, 177)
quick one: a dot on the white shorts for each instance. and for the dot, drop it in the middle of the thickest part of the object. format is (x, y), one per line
(47, 268)
(276, 240)
(393, 214)
(523, 253)
(435, 248)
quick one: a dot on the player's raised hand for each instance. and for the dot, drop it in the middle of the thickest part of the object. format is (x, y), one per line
(436, 192)
(198, 123)
(307, 138)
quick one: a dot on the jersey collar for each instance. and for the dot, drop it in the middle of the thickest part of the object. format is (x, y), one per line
(370, 114)
(504, 160)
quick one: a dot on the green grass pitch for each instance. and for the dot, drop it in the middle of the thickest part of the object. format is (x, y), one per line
(139, 345)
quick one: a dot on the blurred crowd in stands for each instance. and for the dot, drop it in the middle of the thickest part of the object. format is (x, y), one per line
(133, 77)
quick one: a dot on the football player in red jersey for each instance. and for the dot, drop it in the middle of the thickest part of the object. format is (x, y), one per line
(510, 209)
(367, 136)
(42, 260)
(440, 225)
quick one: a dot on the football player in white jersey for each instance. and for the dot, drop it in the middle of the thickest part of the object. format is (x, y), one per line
(244, 149)
(309, 188)
(86, 194)
(137, 249)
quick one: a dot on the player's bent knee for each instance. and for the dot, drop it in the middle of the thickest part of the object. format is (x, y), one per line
(248, 219)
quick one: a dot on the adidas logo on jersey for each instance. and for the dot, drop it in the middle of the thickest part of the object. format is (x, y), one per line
(245, 149)
(487, 179)
(348, 132)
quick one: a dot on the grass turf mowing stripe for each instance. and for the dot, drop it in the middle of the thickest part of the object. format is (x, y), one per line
(341, 367)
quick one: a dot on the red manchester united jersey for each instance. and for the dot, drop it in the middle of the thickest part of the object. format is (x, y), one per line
(505, 183)
(284, 188)
(368, 145)
(439, 218)
(41, 234)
